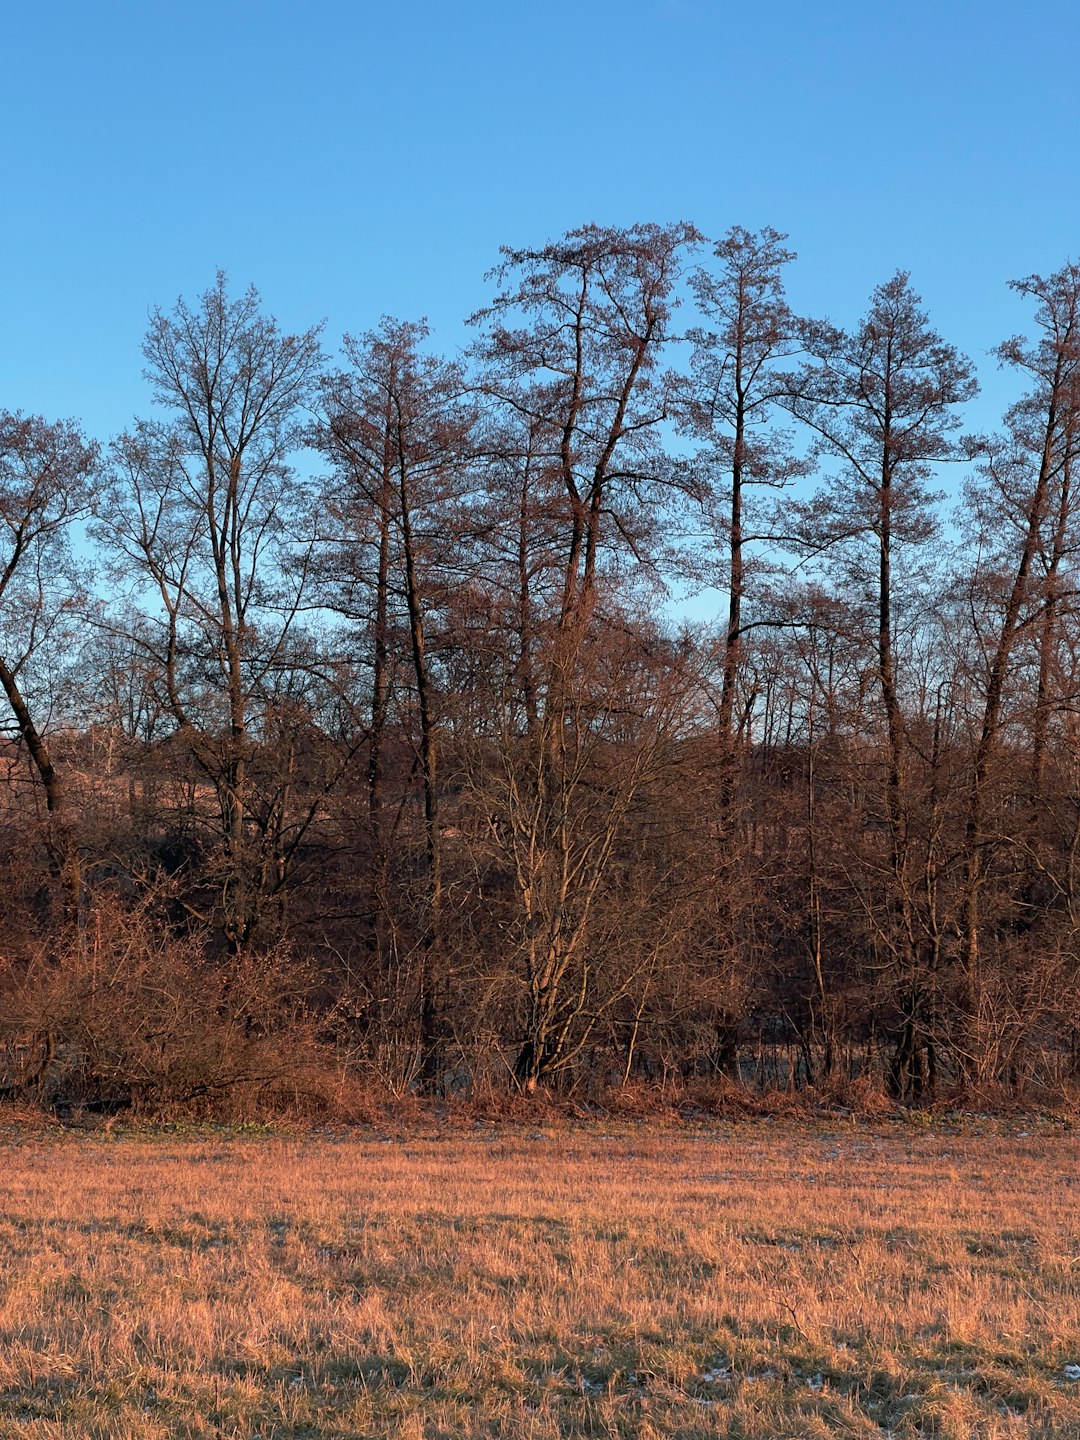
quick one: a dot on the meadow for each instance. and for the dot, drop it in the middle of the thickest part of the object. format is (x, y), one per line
(747, 1280)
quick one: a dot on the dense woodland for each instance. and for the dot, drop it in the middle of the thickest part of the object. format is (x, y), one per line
(356, 738)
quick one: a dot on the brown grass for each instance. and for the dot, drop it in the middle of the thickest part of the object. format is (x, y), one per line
(540, 1284)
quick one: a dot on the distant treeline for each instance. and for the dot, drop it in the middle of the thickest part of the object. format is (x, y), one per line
(354, 740)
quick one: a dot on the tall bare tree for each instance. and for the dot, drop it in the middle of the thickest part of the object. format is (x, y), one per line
(573, 347)
(735, 385)
(398, 427)
(1024, 494)
(883, 403)
(574, 344)
(207, 519)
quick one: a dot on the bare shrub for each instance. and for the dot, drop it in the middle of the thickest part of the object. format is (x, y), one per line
(125, 1014)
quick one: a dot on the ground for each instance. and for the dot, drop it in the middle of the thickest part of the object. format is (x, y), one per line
(753, 1280)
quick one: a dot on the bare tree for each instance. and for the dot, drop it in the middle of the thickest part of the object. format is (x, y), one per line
(882, 403)
(46, 474)
(559, 804)
(730, 398)
(573, 345)
(205, 517)
(1024, 493)
(735, 385)
(398, 429)
(572, 348)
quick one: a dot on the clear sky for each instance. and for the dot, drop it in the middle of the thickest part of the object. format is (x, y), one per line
(355, 159)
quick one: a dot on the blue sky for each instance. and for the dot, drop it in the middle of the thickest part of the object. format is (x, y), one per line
(359, 159)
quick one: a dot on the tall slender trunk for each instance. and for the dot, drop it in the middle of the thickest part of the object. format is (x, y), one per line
(221, 508)
(524, 599)
(895, 802)
(430, 977)
(909, 1054)
(975, 863)
(821, 1000)
(1008, 630)
(736, 590)
(380, 697)
(1048, 630)
(727, 850)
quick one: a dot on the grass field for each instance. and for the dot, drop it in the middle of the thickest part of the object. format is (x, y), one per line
(762, 1282)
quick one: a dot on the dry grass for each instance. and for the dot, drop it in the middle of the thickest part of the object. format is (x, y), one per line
(531, 1284)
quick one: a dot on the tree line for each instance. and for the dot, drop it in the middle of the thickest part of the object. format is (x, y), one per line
(353, 736)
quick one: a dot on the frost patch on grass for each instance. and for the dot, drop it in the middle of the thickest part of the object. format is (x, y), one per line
(716, 1375)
